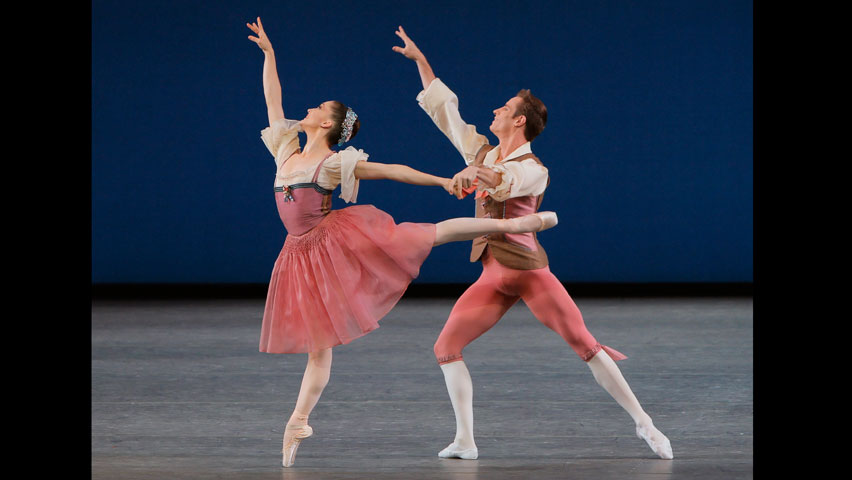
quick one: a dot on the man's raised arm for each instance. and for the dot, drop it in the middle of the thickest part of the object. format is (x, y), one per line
(441, 103)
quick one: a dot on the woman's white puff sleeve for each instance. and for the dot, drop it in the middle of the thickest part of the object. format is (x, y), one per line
(348, 183)
(281, 138)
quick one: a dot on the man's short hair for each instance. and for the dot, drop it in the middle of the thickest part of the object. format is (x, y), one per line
(534, 110)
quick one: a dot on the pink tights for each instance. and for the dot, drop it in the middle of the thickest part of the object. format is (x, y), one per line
(497, 289)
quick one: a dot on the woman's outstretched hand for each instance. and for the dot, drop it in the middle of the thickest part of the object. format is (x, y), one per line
(261, 39)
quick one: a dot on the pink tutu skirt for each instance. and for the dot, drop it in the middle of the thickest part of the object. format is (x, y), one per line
(334, 283)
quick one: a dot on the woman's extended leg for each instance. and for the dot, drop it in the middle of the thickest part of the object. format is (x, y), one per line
(317, 373)
(460, 229)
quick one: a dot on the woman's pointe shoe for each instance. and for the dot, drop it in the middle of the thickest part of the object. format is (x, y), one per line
(288, 452)
(661, 446)
(534, 222)
(548, 220)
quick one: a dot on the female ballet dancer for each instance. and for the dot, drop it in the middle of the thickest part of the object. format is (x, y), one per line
(340, 271)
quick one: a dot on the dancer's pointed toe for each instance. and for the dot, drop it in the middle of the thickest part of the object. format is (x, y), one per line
(291, 444)
(533, 222)
(548, 220)
(453, 451)
(655, 439)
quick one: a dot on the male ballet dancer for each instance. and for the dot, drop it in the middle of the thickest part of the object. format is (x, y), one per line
(509, 181)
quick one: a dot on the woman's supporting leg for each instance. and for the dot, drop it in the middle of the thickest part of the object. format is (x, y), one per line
(317, 373)
(468, 228)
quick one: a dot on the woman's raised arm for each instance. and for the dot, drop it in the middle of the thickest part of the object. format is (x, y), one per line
(271, 84)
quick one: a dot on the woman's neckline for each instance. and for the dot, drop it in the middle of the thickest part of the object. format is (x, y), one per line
(310, 168)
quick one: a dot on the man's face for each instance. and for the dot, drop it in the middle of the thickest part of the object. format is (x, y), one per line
(503, 121)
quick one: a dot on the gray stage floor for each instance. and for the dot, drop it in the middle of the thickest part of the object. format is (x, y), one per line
(179, 391)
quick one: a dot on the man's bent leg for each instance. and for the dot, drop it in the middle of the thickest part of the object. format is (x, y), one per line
(475, 312)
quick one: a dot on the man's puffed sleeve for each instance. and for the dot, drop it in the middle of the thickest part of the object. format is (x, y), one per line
(520, 179)
(442, 106)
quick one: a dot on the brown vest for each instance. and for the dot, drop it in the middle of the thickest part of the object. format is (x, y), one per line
(519, 251)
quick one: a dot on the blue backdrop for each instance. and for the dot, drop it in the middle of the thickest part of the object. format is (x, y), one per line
(648, 141)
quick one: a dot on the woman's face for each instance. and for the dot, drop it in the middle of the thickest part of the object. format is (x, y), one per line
(319, 116)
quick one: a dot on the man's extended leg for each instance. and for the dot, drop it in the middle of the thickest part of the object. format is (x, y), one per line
(550, 303)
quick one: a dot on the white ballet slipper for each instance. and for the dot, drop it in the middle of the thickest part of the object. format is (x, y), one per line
(663, 447)
(452, 451)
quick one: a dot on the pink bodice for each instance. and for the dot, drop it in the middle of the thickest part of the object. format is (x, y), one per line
(302, 206)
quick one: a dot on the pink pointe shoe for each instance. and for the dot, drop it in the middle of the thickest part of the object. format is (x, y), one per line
(660, 444)
(548, 220)
(534, 222)
(288, 452)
